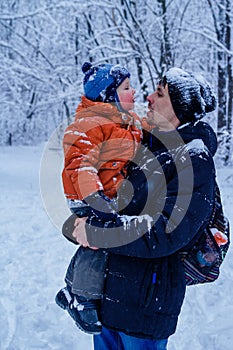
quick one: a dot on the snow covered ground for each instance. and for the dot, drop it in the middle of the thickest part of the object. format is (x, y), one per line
(34, 257)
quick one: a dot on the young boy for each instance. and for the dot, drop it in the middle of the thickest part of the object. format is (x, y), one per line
(97, 146)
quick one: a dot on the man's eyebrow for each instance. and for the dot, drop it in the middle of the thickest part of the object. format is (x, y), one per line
(160, 89)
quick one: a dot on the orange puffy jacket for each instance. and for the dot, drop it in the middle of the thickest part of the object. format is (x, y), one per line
(97, 148)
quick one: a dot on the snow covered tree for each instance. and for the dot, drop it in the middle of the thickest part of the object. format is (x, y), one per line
(43, 45)
(222, 14)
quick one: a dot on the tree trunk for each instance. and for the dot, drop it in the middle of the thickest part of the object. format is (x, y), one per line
(229, 14)
(166, 53)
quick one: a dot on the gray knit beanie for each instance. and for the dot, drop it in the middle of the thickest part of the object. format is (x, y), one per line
(191, 95)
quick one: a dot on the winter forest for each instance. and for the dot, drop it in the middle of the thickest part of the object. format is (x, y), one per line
(44, 43)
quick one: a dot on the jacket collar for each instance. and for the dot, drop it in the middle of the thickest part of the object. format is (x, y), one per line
(161, 140)
(88, 108)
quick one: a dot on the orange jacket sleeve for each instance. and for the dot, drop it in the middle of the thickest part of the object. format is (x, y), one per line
(82, 143)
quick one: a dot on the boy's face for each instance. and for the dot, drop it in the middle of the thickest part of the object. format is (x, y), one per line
(161, 113)
(126, 95)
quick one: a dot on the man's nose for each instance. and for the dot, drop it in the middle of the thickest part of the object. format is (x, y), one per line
(149, 99)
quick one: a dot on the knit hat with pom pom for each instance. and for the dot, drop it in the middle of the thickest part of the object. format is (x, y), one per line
(191, 95)
(101, 81)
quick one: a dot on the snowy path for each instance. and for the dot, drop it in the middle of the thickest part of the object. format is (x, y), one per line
(33, 261)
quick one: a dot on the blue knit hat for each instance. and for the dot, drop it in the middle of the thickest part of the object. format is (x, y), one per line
(101, 81)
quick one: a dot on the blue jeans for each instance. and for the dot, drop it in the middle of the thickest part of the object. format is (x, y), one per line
(109, 340)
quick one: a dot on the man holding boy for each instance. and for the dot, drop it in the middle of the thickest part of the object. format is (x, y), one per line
(145, 281)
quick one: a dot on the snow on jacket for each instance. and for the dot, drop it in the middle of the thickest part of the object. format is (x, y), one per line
(145, 282)
(97, 147)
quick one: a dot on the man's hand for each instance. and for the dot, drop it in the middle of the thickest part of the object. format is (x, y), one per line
(79, 232)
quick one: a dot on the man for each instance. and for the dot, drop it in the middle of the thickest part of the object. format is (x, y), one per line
(145, 281)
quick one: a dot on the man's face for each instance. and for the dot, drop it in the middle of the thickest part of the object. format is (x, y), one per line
(161, 112)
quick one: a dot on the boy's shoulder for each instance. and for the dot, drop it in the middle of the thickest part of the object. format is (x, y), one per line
(88, 123)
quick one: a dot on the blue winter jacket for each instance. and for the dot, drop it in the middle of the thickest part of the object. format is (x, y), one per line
(174, 187)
